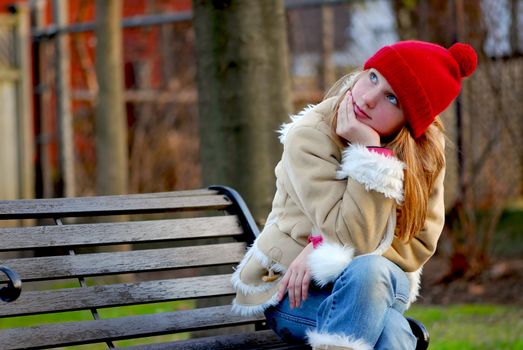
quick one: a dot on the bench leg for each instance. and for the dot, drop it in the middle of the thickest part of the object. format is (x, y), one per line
(420, 332)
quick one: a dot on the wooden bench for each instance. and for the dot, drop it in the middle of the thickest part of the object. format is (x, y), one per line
(111, 252)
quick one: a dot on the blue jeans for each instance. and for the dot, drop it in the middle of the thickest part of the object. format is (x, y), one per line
(366, 302)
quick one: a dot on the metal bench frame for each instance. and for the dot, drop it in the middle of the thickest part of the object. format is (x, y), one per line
(168, 232)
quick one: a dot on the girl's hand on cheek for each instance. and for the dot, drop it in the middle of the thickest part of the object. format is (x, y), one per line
(351, 129)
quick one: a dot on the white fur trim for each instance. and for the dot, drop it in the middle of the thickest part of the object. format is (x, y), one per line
(376, 171)
(284, 128)
(252, 310)
(323, 340)
(415, 283)
(328, 261)
(265, 261)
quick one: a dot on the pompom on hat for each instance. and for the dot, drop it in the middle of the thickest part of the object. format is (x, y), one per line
(425, 77)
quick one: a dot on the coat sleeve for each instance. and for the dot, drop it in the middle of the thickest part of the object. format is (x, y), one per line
(348, 201)
(412, 255)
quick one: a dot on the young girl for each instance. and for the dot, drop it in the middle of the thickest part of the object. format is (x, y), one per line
(363, 172)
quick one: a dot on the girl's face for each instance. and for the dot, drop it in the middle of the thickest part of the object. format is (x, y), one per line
(375, 103)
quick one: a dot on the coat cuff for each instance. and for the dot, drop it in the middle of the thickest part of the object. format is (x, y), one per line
(322, 340)
(375, 171)
(328, 261)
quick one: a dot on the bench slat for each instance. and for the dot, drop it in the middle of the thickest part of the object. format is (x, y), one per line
(72, 299)
(108, 205)
(266, 339)
(56, 267)
(117, 233)
(85, 332)
(185, 193)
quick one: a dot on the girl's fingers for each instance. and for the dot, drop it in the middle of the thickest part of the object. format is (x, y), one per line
(298, 289)
(345, 114)
(349, 117)
(291, 287)
(350, 110)
(342, 115)
(305, 285)
(283, 286)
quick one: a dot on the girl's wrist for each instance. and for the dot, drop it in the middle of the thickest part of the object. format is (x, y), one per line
(315, 240)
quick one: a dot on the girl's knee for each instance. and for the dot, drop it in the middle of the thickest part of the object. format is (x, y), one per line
(371, 261)
(368, 271)
(371, 265)
(375, 277)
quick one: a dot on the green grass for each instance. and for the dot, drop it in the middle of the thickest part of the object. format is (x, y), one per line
(508, 240)
(472, 327)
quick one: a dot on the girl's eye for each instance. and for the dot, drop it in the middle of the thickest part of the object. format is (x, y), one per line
(373, 77)
(392, 99)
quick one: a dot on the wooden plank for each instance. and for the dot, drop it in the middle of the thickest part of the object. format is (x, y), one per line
(71, 299)
(266, 339)
(117, 233)
(109, 205)
(84, 332)
(56, 267)
(168, 194)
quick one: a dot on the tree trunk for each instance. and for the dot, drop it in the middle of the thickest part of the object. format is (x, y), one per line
(111, 124)
(244, 94)
(328, 72)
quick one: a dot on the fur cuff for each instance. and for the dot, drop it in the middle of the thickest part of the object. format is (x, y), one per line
(415, 284)
(328, 261)
(326, 340)
(253, 310)
(264, 260)
(376, 171)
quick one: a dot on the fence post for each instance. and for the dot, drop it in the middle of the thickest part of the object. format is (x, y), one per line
(63, 92)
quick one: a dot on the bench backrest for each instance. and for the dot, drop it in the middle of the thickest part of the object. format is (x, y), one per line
(113, 251)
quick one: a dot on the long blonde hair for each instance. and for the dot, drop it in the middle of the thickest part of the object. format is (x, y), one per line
(424, 158)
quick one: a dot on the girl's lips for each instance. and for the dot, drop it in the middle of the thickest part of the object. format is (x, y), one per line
(359, 112)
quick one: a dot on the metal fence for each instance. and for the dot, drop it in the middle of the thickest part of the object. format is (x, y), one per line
(326, 39)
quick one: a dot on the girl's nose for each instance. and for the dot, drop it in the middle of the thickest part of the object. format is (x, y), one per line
(370, 97)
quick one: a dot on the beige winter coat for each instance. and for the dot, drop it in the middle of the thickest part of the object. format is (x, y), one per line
(347, 195)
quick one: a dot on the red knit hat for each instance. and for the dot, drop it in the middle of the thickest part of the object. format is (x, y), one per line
(425, 77)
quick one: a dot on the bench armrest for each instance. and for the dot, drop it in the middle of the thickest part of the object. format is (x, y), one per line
(14, 286)
(239, 208)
